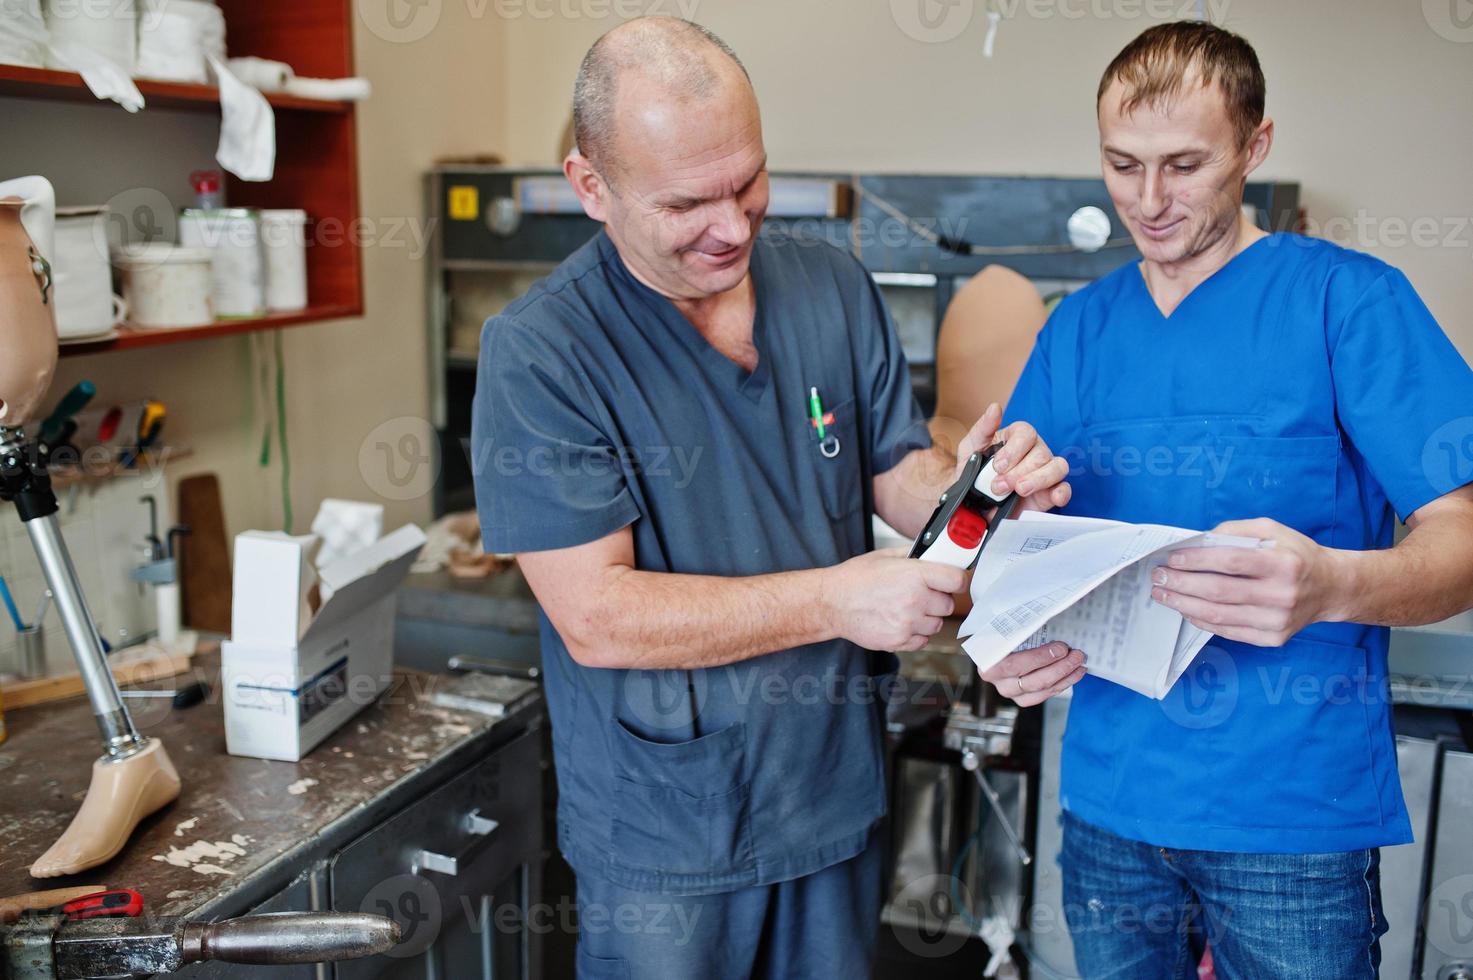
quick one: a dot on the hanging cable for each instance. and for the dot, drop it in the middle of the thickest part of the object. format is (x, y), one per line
(957, 246)
(286, 456)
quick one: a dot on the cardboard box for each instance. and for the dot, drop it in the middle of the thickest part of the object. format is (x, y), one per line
(293, 675)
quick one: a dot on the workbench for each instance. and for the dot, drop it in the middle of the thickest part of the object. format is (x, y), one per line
(428, 814)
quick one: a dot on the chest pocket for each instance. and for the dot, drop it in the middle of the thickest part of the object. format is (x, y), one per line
(1292, 480)
(832, 464)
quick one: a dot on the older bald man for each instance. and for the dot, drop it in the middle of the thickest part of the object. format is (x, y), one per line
(698, 544)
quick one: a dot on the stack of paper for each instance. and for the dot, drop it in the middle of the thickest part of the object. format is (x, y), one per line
(1087, 582)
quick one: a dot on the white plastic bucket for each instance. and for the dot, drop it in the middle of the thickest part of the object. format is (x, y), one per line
(233, 236)
(167, 285)
(284, 236)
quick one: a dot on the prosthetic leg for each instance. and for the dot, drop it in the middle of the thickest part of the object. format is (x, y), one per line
(134, 776)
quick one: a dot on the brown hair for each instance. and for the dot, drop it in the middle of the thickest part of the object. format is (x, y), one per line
(1154, 67)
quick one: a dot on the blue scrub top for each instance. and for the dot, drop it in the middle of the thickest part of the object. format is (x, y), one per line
(598, 407)
(1302, 382)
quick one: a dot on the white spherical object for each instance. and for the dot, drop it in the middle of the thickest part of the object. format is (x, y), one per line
(1089, 229)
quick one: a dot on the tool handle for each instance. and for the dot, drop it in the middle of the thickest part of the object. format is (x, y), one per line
(12, 906)
(112, 904)
(71, 403)
(283, 938)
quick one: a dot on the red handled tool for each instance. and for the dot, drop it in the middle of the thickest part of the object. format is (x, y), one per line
(115, 903)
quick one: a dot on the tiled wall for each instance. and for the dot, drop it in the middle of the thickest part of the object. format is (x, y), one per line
(104, 525)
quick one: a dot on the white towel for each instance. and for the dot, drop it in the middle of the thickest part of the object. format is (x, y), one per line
(261, 73)
(247, 127)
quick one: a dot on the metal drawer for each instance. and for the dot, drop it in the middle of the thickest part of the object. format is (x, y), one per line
(433, 866)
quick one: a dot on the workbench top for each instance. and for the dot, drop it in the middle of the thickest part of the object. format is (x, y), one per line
(242, 828)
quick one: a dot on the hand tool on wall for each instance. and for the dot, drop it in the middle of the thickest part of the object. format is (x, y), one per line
(150, 425)
(52, 428)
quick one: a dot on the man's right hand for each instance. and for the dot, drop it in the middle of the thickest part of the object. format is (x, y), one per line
(886, 601)
(1028, 677)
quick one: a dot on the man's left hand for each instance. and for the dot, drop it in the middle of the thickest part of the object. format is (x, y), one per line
(1024, 463)
(1261, 596)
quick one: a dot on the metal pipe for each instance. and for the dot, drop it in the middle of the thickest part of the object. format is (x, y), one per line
(118, 733)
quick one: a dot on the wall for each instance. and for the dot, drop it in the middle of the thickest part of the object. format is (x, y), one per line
(1371, 101)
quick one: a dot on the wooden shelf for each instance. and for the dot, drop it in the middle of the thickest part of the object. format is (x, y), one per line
(44, 83)
(129, 338)
(316, 152)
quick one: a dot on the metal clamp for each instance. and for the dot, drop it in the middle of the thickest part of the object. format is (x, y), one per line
(989, 736)
(28, 948)
(977, 739)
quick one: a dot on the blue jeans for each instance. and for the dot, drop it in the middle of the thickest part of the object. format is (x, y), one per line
(1138, 912)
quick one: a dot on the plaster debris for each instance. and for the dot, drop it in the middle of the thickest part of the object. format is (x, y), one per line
(301, 786)
(206, 857)
(178, 893)
(181, 827)
(447, 730)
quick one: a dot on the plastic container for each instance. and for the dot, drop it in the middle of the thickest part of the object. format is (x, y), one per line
(167, 285)
(238, 277)
(284, 236)
(85, 304)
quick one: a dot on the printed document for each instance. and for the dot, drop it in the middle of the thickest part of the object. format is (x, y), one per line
(1087, 582)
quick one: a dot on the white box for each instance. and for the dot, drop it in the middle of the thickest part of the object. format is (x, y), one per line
(283, 698)
(276, 588)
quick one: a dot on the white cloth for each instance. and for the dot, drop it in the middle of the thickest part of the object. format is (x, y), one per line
(105, 77)
(278, 76)
(261, 73)
(329, 89)
(247, 127)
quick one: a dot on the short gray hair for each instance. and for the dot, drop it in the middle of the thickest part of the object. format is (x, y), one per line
(668, 49)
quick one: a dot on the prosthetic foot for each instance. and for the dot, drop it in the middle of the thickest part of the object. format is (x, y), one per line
(123, 792)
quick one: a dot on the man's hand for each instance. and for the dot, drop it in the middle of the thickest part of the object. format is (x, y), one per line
(886, 601)
(1259, 596)
(1024, 463)
(1028, 677)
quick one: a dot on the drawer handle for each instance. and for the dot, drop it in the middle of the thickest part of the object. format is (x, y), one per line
(480, 826)
(439, 863)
